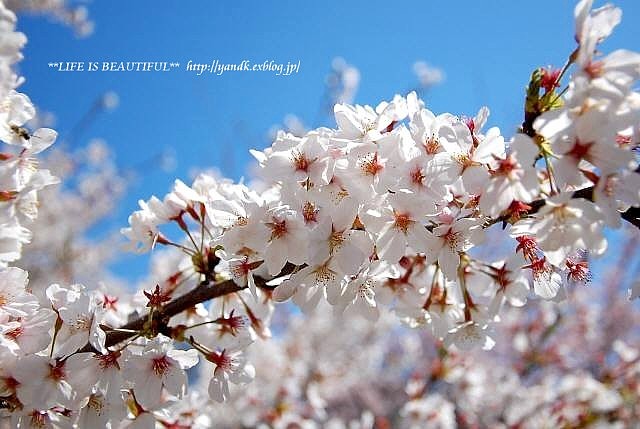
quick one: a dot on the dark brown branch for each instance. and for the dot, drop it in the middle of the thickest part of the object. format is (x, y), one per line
(204, 292)
(632, 215)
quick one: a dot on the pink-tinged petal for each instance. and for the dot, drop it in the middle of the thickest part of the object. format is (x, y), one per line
(419, 238)
(547, 286)
(148, 390)
(524, 149)
(276, 256)
(391, 245)
(41, 139)
(252, 285)
(175, 381)
(369, 312)
(334, 291)
(449, 262)
(475, 179)
(553, 123)
(82, 372)
(284, 291)
(185, 358)
(349, 258)
(517, 292)
(347, 121)
(219, 389)
(243, 376)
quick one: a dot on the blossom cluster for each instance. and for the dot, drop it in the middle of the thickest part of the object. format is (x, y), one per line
(20, 176)
(387, 208)
(402, 377)
(386, 214)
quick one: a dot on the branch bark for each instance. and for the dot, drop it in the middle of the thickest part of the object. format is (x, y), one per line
(203, 293)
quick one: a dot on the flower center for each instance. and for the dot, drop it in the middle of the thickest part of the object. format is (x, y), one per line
(452, 239)
(300, 161)
(432, 145)
(563, 213)
(402, 221)
(370, 165)
(160, 365)
(96, 404)
(278, 228)
(463, 159)
(365, 290)
(241, 221)
(309, 212)
(502, 278)
(506, 166)
(528, 246)
(579, 150)
(578, 271)
(110, 302)
(368, 126)
(416, 175)
(222, 361)
(324, 275)
(335, 241)
(109, 360)
(38, 419)
(541, 270)
(232, 324)
(14, 333)
(337, 197)
(9, 383)
(595, 69)
(82, 323)
(56, 372)
(623, 141)
(241, 269)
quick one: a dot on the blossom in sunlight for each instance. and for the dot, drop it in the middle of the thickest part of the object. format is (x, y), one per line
(159, 366)
(423, 256)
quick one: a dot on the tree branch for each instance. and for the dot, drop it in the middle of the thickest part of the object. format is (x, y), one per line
(204, 292)
(207, 291)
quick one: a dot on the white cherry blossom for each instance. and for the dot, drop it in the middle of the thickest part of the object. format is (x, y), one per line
(159, 366)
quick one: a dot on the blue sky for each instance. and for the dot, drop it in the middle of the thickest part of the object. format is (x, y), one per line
(486, 49)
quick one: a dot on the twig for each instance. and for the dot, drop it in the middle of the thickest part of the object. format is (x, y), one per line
(204, 292)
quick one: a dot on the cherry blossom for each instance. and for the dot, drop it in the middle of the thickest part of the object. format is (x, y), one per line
(230, 365)
(512, 178)
(398, 224)
(159, 366)
(397, 214)
(14, 298)
(286, 241)
(45, 383)
(451, 238)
